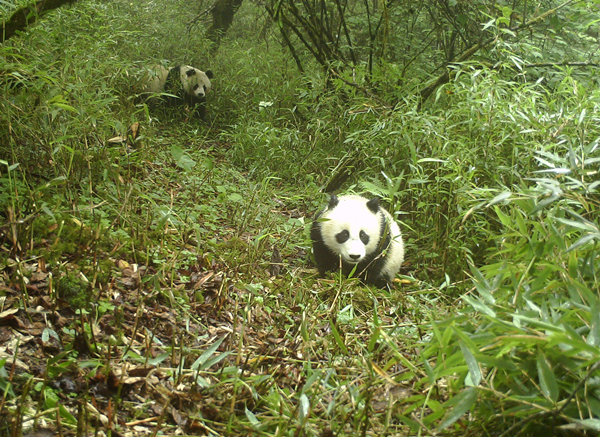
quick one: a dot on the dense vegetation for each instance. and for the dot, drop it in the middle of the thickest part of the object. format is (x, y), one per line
(155, 272)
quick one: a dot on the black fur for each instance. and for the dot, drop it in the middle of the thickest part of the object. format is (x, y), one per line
(326, 260)
(174, 87)
(373, 205)
(333, 202)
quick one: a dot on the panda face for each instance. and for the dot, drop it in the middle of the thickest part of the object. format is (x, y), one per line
(196, 83)
(352, 227)
(177, 86)
(362, 235)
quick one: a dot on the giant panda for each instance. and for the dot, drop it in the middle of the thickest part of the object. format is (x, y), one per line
(357, 233)
(182, 85)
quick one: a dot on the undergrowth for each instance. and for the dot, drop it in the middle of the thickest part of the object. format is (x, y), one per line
(155, 273)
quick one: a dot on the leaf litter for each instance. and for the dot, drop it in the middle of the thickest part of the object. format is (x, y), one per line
(180, 352)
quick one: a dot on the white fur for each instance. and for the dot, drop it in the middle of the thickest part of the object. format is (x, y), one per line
(350, 214)
(157, 77)
(395, 254)
(353, 215)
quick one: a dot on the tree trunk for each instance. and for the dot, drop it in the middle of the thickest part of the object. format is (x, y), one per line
(222, 16)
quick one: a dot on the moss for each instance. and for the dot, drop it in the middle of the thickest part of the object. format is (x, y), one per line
(73, 289)
(104, 271)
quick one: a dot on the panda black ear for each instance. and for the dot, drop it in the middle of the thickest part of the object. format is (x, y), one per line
(190, 72)
(209, 74)
(373, 205)
(333, 202)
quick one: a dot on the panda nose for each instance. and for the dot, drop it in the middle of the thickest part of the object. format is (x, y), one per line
(354, 257)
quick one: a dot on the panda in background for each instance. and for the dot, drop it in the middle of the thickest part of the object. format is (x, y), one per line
(183, 84)
(356, 232)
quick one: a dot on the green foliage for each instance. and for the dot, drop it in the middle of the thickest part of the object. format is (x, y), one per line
(74, 290)
(5, 384)
(495, 182)
(528, 338)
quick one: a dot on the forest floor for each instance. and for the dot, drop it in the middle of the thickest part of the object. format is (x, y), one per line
(183, 301)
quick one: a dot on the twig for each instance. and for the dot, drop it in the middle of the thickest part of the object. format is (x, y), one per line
(426, 92)
(572, 395)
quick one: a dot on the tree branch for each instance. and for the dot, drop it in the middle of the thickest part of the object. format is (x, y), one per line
(360, 88)
(426, 92)
(23, 17)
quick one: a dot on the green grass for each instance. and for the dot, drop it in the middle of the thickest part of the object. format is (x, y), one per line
(165, 282)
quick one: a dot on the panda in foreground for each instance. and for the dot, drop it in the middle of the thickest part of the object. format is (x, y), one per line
(184, 84)
(359, 233)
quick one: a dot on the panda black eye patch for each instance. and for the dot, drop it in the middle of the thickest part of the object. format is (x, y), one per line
(342, 237)
(196, 87)
(364, 237)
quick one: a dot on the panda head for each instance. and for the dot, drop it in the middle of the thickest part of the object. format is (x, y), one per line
(353, 227)
(196, 83)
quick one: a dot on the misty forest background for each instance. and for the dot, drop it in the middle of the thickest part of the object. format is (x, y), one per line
(155, 271)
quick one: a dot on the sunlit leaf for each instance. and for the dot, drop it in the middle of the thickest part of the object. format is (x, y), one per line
(472, 363)
(479, 306)
(593, 424)
(304, 407)
(593, 338)
(252, 418)
(500, 198)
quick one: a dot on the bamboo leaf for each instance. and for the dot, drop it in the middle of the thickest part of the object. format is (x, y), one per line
(479, 306)
(593, 338)
(373, 339)
(463, 402)
(482, 285)
(338, 338)
(590, 424)
(200, 363)
(316, 375)
(547, 379)
(506, 221)
(472, 363)
(586, 226)
(304, 407)
(214, 360)
(583, 240)
(252, 418)
(500, 198)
